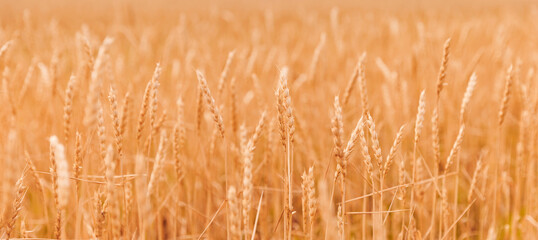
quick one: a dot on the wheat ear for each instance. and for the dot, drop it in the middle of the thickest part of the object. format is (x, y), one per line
(210, 101)
(17, 204)
(225, 73)
(60, 172)
(393, 149)
(467, 97)
(233, 216)
(68, 105)
(506, 95)
(143, 112)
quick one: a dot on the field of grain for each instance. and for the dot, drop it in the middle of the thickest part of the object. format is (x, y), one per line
(268, 120)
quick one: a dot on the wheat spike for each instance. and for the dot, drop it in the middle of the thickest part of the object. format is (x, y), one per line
(375, 140)
(362, 84)
(179, 140)
(4, 49)
(68, 105)
(143, 112)
(401, 180)
(338, 134)
(506, 95)
(467, 97)
(233, 205)
(17, 204)
(352, 140)
(225, 73)
(111, 209)
(304, 201)
(116, 122)
(393, 149)
(455, 148)
(365, 154)
(315, 57)
(154, 100)
(33, 170)
(233, 107)
(420, 116)
(95, 83)
(77, 165)
(350, 85)
(210, 101)
(100, 214)
(159, 161)
(101, 132)
(60, 172)
(474, 179)
(442, 68)
(311, 200)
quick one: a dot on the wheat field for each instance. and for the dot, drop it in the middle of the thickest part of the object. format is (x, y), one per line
(268, 120)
